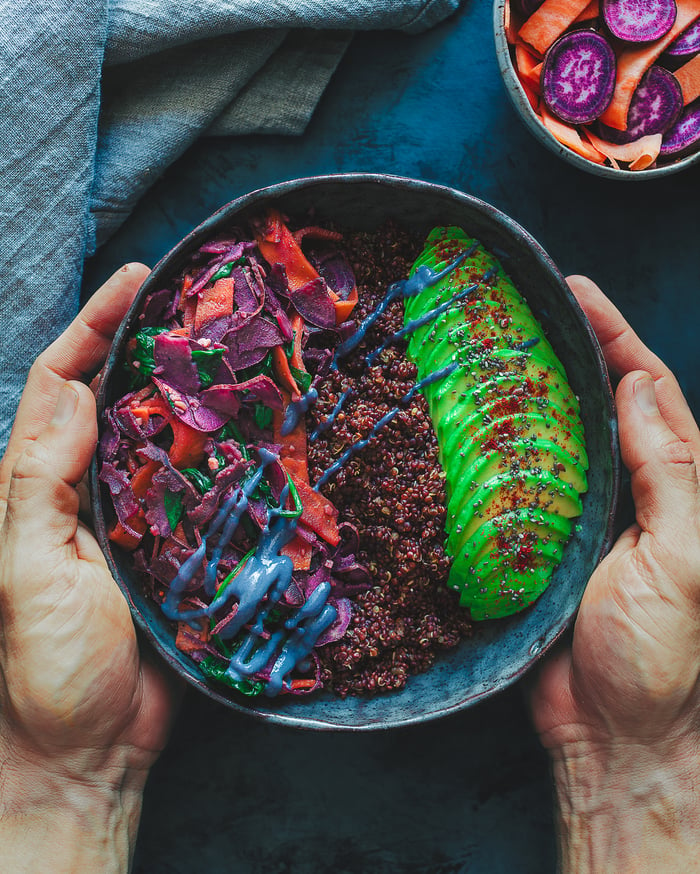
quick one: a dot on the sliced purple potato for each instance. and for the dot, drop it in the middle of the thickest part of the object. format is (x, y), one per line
(639, 20)
(687, 44)
(655, 106)
(684, 136)
(578, 76)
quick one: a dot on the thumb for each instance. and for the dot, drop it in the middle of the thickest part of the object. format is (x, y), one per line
(661, 465)
(43, 503)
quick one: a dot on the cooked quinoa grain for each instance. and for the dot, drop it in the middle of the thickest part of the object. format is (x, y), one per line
(393, 491)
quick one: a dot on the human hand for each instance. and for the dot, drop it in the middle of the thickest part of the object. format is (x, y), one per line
(619, 710)
(83, 715)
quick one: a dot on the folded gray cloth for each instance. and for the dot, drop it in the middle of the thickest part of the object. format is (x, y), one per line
(99, 97)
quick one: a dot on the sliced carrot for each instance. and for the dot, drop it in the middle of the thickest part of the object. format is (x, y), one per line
(639, 154)
(548, 22)
(529, 67)
(568, 136)
(293, 452)
(532, 96)
(591, 11)
(633, 64)
(511, 24)
(214, 302)
(280, 364)
(689, 79)
(319, 513)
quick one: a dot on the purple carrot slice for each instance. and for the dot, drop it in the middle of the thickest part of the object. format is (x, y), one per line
(578, 76)
(655, 106)
(687, 44)
(639, 20)
(684, 136)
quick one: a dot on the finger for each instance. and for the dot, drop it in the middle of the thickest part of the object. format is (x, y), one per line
(625, 352)
(42, 503)
(76, 354)
(662, 467)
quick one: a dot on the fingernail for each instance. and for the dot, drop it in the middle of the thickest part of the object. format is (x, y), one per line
(65, 405)
(645, 396)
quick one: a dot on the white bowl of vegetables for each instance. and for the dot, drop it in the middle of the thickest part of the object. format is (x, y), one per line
(611, 86)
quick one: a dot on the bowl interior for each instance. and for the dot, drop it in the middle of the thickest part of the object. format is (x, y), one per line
(499, 652)
(529, 116)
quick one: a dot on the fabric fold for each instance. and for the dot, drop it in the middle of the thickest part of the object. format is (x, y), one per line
(98, 98)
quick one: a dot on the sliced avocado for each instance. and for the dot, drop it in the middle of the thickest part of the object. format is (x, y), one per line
(503, 532)
(516, 456)
(511, 527)
(468, 420)
(500, 596)
(507, 492)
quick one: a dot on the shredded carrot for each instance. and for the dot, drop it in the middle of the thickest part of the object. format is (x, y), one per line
(118, 534)
(568, 136)
(214, 302)
(343, 308)
(280, 363)
(298, 329)
(319, 513)
(278, 246)
(189, 640)
(689, 79)
(299, 550)
(639, 154)
(187, 448)
(633, 64)
(548, 22)
(142, 478)
(303, 684)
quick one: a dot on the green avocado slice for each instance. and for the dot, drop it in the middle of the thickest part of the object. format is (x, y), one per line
(516, 456)
(499, 596)
(506, 491)
(505, 533)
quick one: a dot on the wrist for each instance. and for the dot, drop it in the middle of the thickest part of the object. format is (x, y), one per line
(628, 807)
(51, 821)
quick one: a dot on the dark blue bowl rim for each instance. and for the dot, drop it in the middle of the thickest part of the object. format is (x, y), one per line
(164, 268)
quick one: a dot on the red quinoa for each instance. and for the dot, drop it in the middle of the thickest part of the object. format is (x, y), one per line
(393, 491)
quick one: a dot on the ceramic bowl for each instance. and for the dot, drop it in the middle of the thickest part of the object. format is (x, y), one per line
(532, 122)
(499, 652)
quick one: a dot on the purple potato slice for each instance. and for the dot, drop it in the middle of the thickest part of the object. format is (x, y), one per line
(684, 136)
(639, 20)
(578, 76)
(687, 44)
(655, 106)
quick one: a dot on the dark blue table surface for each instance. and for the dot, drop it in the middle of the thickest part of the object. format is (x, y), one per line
(469, 793)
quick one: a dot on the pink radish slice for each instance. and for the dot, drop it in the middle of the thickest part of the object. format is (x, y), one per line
(578, 76)
(639, 20)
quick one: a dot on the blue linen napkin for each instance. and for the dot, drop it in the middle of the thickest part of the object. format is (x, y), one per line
(98, 97)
